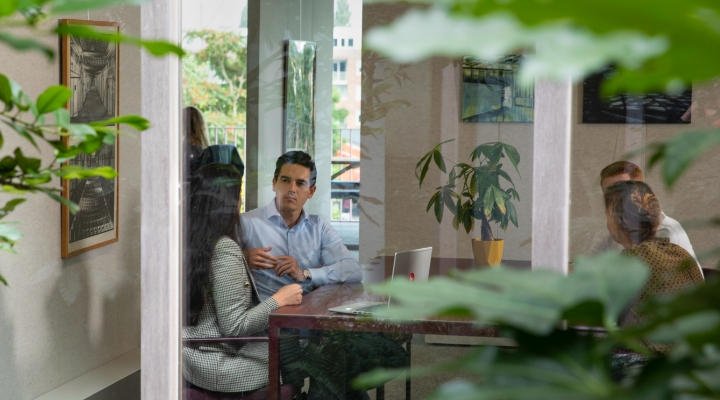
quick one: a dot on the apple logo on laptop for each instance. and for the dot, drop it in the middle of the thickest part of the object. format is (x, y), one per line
(411, 277)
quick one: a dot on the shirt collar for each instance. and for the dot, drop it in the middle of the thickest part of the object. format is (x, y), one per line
(272, 213)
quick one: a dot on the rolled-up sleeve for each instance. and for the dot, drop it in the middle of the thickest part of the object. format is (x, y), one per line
(339, 266)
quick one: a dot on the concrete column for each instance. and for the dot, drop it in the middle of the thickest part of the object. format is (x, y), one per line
(160, 215)
(551, 176)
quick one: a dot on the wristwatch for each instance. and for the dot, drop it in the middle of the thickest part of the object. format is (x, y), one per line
(307, 274)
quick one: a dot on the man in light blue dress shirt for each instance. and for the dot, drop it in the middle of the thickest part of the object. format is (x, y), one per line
(283, 244)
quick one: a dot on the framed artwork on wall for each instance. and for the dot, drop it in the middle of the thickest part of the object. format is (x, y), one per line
(299, 98)
(90, 68)
(624, 108)
(492, 92)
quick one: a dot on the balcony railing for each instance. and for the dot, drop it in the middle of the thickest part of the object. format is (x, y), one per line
(226, 135)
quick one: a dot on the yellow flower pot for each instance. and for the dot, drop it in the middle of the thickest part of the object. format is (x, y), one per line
(487, 253)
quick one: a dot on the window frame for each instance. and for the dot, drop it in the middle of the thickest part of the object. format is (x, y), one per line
(161, 190)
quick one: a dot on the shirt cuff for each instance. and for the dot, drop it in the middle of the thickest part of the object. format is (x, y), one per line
(319, 276)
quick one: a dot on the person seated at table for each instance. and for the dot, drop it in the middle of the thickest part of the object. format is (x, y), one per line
(221, 295)
(283, 244)
(668, 227)
(633, 218)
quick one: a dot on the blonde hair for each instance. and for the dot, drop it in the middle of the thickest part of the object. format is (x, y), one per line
(634, 208)
(195, 127)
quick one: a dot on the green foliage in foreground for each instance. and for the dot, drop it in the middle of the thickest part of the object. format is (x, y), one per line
(552, 363)
(43, 122)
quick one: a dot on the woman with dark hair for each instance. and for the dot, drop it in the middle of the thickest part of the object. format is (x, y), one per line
(633, 216)
(221, 297)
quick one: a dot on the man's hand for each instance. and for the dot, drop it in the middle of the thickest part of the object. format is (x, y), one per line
(288, 266)
(259, 258)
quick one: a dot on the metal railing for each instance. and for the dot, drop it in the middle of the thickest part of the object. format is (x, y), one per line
(226, 135)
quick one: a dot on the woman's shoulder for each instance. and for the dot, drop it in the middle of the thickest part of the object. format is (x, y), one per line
(226, 244)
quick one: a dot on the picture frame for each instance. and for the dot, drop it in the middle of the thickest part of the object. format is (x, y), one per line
(299, 96)
(492, 91)
(91, 69)
(625, 108)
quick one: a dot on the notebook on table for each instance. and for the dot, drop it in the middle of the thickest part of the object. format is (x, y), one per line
(413, 265)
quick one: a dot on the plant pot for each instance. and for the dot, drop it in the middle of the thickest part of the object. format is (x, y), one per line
(487, 253)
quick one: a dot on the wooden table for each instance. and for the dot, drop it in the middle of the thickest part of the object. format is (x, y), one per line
(313, 314)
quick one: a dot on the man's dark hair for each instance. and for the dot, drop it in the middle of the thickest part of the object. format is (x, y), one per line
(300, 158)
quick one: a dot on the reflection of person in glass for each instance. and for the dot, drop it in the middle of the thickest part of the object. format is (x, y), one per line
(195, 135)
(221, 295)
(668, 227)
(633, 217)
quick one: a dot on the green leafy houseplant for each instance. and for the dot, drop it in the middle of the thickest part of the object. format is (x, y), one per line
(473, 191)
(42, 121)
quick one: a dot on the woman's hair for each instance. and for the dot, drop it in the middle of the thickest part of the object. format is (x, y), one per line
(214, 197)
(634, 208)
(195, 127)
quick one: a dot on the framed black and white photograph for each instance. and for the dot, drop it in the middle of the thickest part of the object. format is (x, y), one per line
(299, 106)
(624, 108)
(90, 68)
(492, 92)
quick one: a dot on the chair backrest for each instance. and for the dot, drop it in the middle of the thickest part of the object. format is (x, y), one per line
(287, 392)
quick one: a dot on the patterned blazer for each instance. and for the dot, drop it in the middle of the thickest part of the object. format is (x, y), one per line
(233, 309)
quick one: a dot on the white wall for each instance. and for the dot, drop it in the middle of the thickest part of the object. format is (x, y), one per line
(63, 318)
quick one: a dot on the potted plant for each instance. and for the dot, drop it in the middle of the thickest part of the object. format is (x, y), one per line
(473, 192)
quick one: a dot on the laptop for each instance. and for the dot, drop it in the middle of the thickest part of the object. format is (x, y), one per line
(413, 265)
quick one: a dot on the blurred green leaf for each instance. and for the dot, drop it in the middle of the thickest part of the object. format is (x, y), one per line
(499, 199)
(679, 152)
(571, 39)
(513, 156)
(10, 189)
(8, 7)
(72, 207)
(533, 301)
(37, 179)
(424, 170)
(133, 121)
(62, 116)
(5, 90)
(10, 206)
(70, 6)
(53, 98)
(156, 48)
(437, 156)
(79, 131)
(439, 208)
(78, 172)
(22, 44)
(2, 278)
(512, 213)
(8, 233)
(26, 164)
(20, 130)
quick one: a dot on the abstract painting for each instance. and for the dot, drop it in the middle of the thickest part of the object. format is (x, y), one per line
(492, 92)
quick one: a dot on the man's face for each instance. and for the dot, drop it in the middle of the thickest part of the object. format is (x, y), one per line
(612, 179)
(292, 187)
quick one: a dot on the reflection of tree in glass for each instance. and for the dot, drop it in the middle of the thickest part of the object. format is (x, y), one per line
(300, 97)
